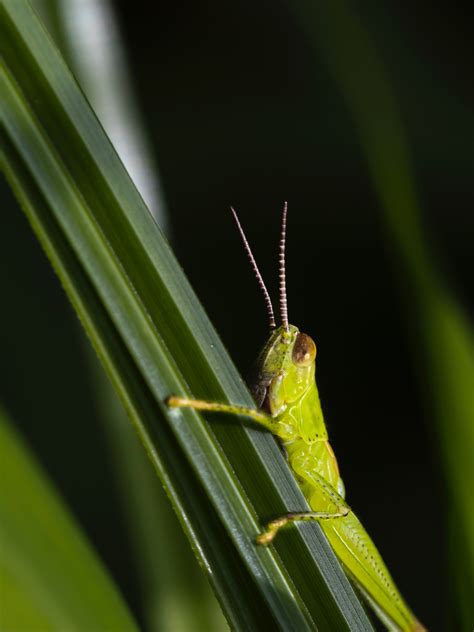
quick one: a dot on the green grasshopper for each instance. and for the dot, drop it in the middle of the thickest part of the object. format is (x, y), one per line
(288, 405)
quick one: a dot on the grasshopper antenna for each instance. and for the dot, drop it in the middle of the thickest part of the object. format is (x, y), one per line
(282, 271)
(266, 295)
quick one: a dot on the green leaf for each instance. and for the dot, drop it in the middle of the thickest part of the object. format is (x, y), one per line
(224, 479)
(50, 577)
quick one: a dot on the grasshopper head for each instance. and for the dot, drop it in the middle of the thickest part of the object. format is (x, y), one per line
(286, 366)
(286, 369)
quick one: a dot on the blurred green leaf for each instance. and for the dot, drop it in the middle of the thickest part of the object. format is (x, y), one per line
(441, 333)
(50, 579)
(154, 339)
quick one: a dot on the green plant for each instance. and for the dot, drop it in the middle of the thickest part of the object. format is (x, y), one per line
(153, 339)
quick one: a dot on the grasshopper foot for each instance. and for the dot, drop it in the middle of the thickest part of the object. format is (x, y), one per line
(267, 536)
(176, 402)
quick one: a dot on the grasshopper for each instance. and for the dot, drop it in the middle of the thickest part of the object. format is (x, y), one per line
(288, 405)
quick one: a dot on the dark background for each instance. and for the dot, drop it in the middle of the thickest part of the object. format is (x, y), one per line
(240, 111)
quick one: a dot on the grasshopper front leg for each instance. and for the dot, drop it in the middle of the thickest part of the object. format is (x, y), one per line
(258, 416)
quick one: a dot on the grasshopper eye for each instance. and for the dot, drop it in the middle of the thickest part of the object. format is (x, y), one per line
(304, 350)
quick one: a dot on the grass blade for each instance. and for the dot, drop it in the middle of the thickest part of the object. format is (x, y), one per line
(154, 339)
(174, 594)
